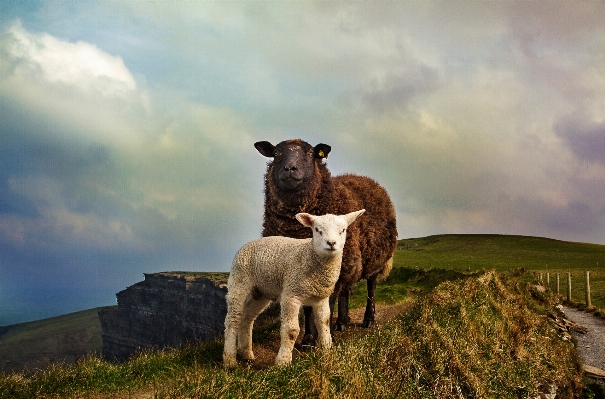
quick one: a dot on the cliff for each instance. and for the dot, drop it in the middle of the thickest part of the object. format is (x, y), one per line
(165, 310)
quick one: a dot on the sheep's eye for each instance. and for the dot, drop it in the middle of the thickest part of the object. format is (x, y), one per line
(343, 230)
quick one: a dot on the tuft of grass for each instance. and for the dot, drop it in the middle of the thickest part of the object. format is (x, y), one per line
(479, 337)
(483, 335)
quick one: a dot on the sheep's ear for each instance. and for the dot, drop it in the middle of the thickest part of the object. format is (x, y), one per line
(350, 217)
(265, 148)
(306, 219)
(321, 150)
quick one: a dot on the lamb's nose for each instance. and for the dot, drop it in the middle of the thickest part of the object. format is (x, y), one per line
(331, 243)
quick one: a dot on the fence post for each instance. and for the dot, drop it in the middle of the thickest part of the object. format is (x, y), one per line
(548, 280)
(558, 281)
(568, 287)
(587, 287)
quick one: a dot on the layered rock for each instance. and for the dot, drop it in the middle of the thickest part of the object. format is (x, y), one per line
(165, 310)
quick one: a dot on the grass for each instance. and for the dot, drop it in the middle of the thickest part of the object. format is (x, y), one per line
(470, 333)
(480, 336)
(536, 255)
(500, 252)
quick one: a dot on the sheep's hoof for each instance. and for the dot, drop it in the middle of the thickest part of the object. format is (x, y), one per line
(368, 323)
(307, 343)
(248, 361)
(342, 327)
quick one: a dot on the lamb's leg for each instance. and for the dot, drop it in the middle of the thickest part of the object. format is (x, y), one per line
(289, 330)
(321, 313)
(235, 308)
(310, 330)
(343, 310)
(253, 308)
(368, 317)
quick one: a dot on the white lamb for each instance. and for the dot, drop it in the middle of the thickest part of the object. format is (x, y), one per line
(292, 271)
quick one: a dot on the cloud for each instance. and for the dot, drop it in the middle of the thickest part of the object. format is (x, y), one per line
(128, 132)
(80, 65)
(92, 160)
(585, 138)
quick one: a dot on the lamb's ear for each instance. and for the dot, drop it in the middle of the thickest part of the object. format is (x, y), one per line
(265, 148)
(306, 219)
(321, 150)
(350, 217)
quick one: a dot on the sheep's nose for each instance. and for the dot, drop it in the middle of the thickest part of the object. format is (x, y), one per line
(331, 243)
(290, 168)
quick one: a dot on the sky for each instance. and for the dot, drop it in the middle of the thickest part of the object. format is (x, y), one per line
(127, 127)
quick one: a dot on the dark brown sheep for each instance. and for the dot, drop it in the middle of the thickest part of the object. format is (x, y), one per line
(297, 180)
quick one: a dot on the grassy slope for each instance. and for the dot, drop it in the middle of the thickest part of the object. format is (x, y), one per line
(482, 336)
(498, 251)
(470, 252)
(37, 344)
(420, 265)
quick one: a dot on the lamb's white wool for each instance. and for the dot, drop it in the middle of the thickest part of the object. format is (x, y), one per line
(292, 271)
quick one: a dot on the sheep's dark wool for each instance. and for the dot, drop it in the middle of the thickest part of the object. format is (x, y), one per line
(297, 180)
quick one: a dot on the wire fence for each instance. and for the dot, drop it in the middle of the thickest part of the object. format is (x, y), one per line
(587, 295)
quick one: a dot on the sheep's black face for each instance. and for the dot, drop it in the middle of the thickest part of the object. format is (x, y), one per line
(293, 162)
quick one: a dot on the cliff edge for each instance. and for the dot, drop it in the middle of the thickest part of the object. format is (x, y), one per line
(167, 309)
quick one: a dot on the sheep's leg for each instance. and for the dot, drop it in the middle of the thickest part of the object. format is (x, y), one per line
(236, 301)
(332, 302)
(321, 313)
(368, 317)
(253, 308)
(343, 310)
(289, 330)
(310, 330)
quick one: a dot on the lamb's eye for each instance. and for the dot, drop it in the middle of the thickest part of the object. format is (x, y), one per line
(343, 230)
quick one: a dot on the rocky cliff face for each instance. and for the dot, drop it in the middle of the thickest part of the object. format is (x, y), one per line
(165, 310)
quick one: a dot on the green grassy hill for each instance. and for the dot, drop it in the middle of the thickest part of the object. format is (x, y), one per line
(69, 337)
(484, 335)
(38, 344)
(506, 252)
(453, 300)
(502, 252)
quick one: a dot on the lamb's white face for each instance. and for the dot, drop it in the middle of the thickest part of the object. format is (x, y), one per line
(329, 234)
(329, 231)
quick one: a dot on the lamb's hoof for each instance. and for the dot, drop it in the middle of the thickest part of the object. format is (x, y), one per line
(248, 361)
(368, 323)
(340, 327)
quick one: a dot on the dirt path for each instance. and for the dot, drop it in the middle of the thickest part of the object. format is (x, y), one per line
(591, 346)
(265, 353)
